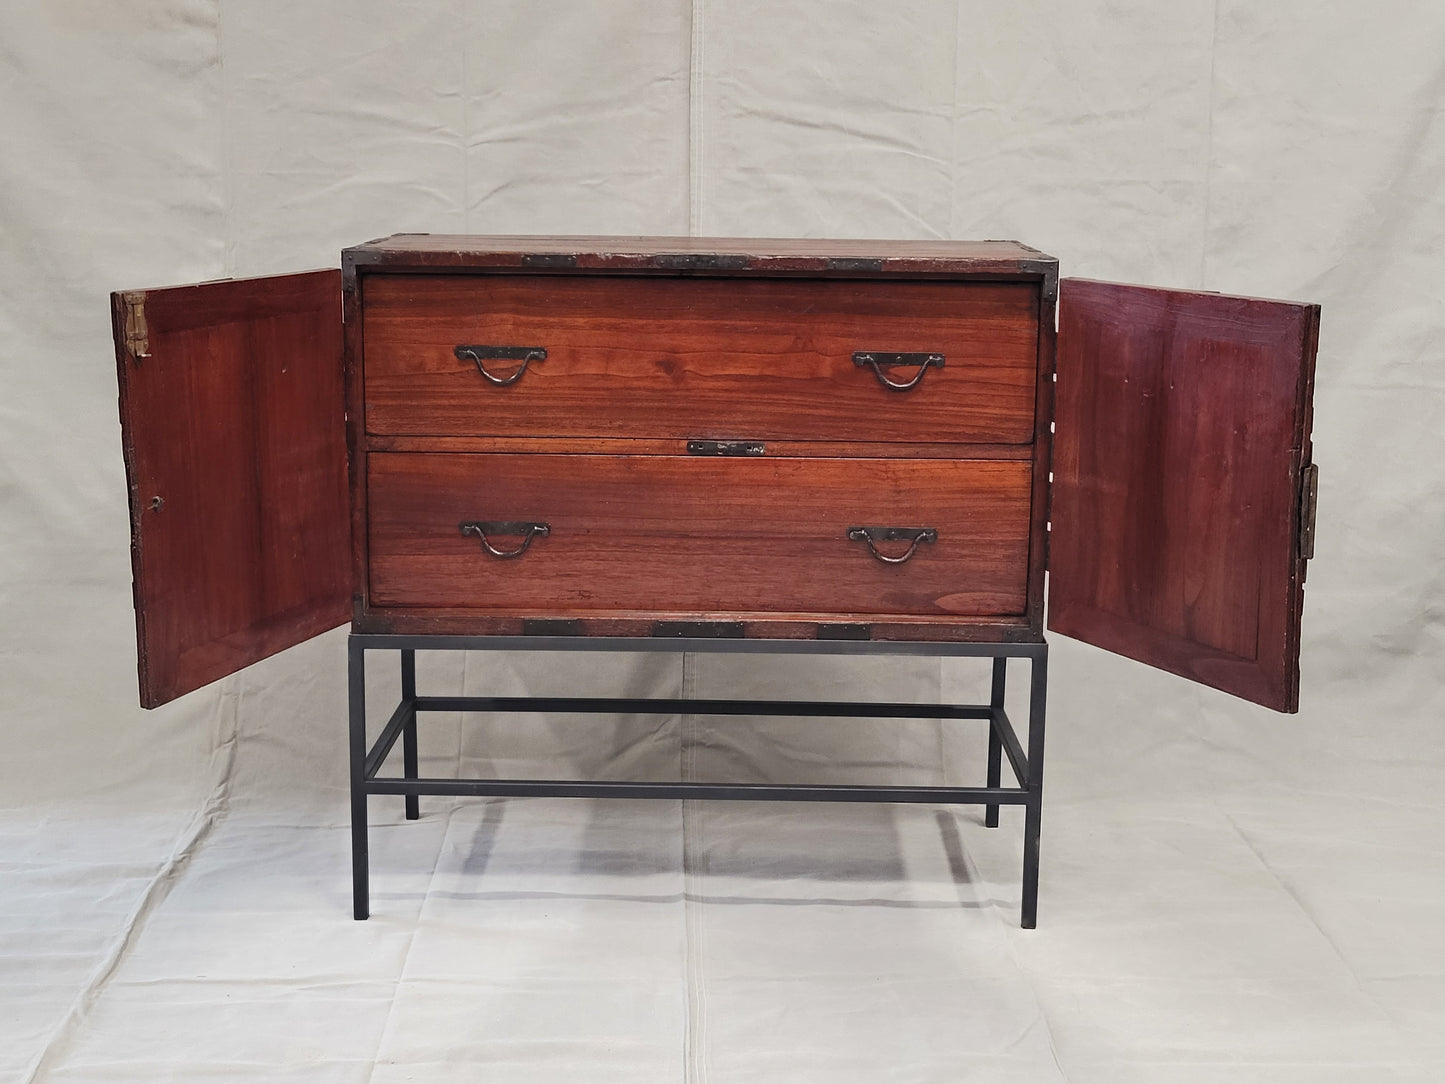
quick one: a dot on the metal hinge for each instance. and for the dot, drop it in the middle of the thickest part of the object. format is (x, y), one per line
(137, 339)
(1309, 500)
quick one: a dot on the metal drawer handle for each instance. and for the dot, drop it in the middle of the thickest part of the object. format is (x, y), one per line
(874, 535)
(528, 531)
(524, 354)
(878, 359)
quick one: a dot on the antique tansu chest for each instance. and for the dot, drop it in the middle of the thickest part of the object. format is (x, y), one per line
(715, 444)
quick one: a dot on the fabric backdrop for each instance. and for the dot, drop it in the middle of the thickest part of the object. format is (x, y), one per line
(1288, 149)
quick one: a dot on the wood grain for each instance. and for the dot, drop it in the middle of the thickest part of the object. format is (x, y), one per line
(232, 424)
(708, 255)
(665, 534)
(700, 357)
(1181, 430)
(831, 449)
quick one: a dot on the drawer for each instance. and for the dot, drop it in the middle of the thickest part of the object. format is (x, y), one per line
(687, 535)
(634, 356)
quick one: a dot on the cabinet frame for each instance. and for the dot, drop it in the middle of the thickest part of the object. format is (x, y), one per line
(714, 258)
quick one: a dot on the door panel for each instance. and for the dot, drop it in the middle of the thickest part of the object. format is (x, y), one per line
(1182, 426)
(233, 424)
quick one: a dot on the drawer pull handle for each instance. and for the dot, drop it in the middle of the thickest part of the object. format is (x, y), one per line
(528, 531)
(873, 535)
(525, 354)
(877, 360)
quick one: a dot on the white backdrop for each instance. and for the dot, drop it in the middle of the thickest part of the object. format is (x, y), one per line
(1227, 892)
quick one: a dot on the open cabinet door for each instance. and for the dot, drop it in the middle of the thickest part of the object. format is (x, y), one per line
(1183, 491)
(233, 422)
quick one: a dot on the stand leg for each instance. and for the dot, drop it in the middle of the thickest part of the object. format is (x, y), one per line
(356, 697)
(408, 734)
(995, 745)
(1034, 804)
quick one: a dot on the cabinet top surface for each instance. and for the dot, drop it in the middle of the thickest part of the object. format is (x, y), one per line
(703, 253)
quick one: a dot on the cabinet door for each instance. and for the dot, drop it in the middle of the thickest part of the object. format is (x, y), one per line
(1181, 479)
(233, 424)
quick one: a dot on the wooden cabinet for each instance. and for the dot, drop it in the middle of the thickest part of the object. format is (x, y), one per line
(777, 439)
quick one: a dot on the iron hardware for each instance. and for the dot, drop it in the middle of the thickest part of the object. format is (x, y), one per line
(524, 354)
(844, 631)
(878, 360)
(137, 336)
(873, 535)
(549, 259)
(726, 447)
(722, 630)
(701, 261)
(1309, 501)
(528, 531)
(551, 626)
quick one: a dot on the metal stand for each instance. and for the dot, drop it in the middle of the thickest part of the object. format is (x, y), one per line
(1003, 742)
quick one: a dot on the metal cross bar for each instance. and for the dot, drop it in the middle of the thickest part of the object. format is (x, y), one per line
(747, 792)
(1000, 724)
(404, 714)
(1003, 741)
(663, 706)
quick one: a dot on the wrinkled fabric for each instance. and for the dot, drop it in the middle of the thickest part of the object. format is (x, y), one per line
(1227, 894)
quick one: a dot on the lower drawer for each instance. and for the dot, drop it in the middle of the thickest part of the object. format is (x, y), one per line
(691, 535)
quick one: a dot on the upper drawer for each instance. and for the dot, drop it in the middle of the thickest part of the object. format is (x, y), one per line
(765, 358)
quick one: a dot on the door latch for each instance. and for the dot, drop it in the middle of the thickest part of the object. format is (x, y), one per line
(1308, 506)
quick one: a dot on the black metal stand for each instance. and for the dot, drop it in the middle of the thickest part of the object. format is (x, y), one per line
(1003, 742)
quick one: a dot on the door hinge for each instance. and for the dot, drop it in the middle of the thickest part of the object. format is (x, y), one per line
(1308, 505)
(137, 338)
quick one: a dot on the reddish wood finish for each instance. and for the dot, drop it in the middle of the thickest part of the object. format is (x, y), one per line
(232, 424)
(882, 266)
(698, 535)
(708, 255)
(1181, 429)
(1183, 421)
(631, 356)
